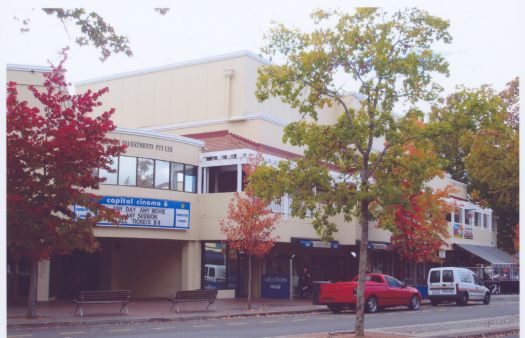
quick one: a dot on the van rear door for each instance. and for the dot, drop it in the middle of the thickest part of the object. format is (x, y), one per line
(447, 282)
(434, 282)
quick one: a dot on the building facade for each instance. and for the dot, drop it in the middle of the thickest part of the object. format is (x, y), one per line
(190, 128)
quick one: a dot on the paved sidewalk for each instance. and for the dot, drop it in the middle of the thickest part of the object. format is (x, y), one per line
(60, 313)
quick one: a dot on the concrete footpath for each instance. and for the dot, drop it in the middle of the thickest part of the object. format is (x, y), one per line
(60, 314)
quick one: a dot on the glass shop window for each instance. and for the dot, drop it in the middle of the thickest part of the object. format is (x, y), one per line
(145, 172)
(162, 174)
(190, 178)
(214, 266)
(111, 178)
(127, 173)
(177, 176)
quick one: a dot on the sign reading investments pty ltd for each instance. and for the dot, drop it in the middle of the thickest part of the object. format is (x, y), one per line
(149, 213)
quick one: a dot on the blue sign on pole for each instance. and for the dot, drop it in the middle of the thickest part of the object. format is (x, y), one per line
(145, 212)
(275, 286)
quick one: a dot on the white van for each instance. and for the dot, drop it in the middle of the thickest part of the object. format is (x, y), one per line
(455, 284)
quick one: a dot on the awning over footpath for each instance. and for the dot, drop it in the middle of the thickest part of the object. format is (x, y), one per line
(490, 254)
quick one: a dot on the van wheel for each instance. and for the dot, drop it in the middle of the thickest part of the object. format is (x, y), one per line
(414, 303)
(486, 300)
(371, 305)
(335, 308)
(463, 299)
(434, 302)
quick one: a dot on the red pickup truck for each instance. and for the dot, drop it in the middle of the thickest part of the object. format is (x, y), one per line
(380, 291)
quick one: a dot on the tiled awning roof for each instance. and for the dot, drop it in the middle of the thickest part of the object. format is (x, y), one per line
(224, 140)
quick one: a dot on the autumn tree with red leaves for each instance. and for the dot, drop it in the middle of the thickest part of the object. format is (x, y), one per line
(53, 153)
(250, 223)
(417, 215)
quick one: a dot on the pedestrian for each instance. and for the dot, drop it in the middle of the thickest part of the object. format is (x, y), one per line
(304, 282)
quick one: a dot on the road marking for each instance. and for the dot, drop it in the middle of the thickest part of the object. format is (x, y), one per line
(236, 324)
(298, 320)
(321, 318)
(270, 321)
(204, 325)
(76, 332)
(121, 330)
(165, 328)
(20, 335)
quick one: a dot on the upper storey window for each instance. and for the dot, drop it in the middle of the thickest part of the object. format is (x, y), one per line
(127, 173)
(151, 173)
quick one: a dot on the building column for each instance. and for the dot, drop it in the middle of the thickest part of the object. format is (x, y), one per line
(191, 265)
(239, 175)
(42, 291)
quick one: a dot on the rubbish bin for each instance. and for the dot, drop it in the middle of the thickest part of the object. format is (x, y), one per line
(315, 291)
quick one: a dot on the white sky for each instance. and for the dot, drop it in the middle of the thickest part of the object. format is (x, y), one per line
(487, 36)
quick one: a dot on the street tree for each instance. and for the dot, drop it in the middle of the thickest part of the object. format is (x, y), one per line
(417, 219)
(93, 29)
(390, 57)
(53, 153)
(250, 223)
(479, 144)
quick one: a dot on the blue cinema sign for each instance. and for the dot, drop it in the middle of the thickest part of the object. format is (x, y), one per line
(146, 212)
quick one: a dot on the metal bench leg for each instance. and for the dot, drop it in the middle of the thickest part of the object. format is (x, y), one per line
(210, 302)
(124, 307)
(76, 310)
(177, 304)
(172, 306)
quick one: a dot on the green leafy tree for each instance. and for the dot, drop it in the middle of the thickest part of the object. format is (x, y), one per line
(390, 58)
(92, 30)
(479, 144)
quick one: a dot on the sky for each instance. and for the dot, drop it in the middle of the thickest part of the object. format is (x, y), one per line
(486, 49)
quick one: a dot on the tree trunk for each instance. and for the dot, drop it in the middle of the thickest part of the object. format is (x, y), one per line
(249, 282)
(31, 296)
(363, 253)
(15, 279)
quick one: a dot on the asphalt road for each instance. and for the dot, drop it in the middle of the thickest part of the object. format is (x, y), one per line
(273, 326)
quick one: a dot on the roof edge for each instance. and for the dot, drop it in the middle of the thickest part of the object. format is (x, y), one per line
(176, 65)
(28, 68)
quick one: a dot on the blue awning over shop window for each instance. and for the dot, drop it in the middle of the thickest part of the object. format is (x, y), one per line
(491, 254)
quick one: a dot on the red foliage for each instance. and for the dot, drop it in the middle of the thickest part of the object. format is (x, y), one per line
(420, 226)
(250, 222)
(52, 159)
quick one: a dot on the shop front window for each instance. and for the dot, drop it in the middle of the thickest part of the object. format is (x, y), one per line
(162, 174)
(214, 269)
(177, 176)
(190, 178)
(145, 173)
(127, 174)
(111, 178)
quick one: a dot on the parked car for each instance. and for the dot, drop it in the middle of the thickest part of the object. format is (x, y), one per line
(381, 291)
(455, 284)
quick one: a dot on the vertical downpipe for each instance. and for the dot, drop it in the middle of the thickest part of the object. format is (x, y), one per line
(228, 73)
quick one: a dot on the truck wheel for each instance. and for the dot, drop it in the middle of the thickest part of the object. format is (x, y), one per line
(463, 299)
(414, 303)
(371, 305)
(335, 308)
(486, 300)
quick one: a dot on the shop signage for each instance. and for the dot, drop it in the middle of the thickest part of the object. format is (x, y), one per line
(275, 286)
(442, 254)
(319, 244)
(145, 145)
(467, 231)
(458, 230)
(146, 212)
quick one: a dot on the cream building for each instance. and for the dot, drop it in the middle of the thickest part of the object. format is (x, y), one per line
(189, 128)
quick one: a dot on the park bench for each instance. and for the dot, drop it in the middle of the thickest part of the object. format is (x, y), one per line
(193, 296)
(103, 297)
